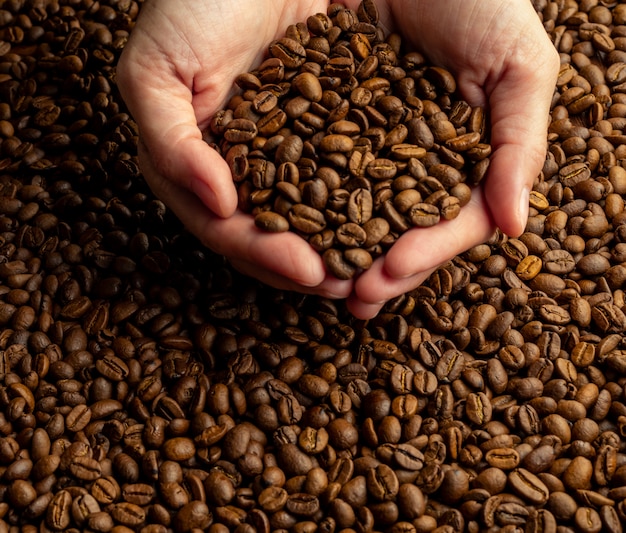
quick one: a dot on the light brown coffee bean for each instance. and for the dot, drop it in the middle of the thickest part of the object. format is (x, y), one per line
(528, 486)
(272, 222)
(423, 215)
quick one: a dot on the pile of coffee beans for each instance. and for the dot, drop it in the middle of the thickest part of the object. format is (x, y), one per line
(146, 387)
(347, 140)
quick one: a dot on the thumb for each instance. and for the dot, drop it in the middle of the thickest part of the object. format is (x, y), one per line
(519, 108)
(162, 106)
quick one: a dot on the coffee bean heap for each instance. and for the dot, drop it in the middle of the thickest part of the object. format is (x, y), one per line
(344, 139)
(146, 387)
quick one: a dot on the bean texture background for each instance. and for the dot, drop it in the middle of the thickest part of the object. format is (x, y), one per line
(147, 387)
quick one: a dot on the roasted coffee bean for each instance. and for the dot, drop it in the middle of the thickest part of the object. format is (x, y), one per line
(194, 515)
(58, 515)
(85, 468)
(112, 367)
(382, 483)
(337, 264)
(528, 486)
(128, 514)
(240, 130)
(351, 235)
(272, 222)
(306, 219)
(478, 408)
(290, 52)
(423, 215)
(408, 457)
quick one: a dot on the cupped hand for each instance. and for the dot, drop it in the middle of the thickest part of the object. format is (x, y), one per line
(176, 71)
(503, 60)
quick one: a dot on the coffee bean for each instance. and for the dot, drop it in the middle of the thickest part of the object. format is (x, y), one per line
(85, 468)
(272, 222)
(128, 514)
(336, 143)
(112, 367)
(528, 486)
(240, 130)
(306, 219)
(58, 513)
(382, 483)
(408, 457)
(290, 52)
(337, 264)
(194, 515)
(423, 215)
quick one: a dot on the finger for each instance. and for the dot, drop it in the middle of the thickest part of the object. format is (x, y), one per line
(375, 287)
(330, 287)
(162, 106)
(508, 183)
(421, 249)
(286, 254)
(519, 107)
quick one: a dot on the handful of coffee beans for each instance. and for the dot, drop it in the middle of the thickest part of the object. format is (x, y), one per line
(347, 141)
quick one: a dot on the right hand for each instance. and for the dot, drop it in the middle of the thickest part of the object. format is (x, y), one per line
(175, 72)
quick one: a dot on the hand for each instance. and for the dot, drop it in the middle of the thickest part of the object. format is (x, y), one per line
(503, 60)
(176, 71)
(173, 81)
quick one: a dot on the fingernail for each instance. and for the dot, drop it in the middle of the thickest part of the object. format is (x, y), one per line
(523, 206)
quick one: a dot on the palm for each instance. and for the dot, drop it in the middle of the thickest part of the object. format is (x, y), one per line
(198, 48)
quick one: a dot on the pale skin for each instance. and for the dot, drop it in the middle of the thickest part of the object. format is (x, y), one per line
(178, 70)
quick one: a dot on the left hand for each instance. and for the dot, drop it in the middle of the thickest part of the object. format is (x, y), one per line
(503, 60)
